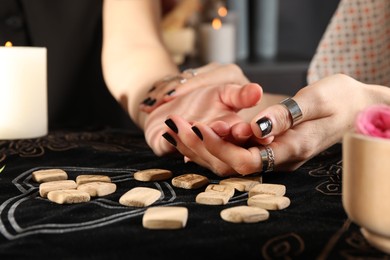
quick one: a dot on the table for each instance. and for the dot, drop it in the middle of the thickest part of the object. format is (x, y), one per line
(314, 226)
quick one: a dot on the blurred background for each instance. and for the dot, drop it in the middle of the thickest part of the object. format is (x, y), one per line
(274, 40)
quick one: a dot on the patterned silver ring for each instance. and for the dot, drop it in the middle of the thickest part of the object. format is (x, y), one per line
(267, 158)
(294, 110)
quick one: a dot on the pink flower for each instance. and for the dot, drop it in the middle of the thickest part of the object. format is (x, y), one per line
(374, 121)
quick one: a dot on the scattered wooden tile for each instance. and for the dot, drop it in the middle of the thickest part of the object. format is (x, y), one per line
(268, 188)
(68, 196)
(98, 188)
(244, 214)
(140, 197)
(169, 217)
(46, 187)
(190, 181)
(85, 178)
(269, 202)
(240, 183)
(153, 175)
(47, 175)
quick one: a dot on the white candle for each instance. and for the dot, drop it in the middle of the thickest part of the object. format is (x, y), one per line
(23, 92)
(217, 42)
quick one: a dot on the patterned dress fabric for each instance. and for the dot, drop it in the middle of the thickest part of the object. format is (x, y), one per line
(356, 42)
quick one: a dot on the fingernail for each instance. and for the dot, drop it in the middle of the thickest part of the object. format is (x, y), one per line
(151, 102)
(170, 139)
(171, 92)
(197, 132)
(172, 125)
(265, 125)
(146, 100)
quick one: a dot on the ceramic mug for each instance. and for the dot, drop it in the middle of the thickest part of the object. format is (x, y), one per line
(366, 186)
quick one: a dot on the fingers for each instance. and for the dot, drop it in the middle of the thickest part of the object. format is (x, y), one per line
(241, 160)
(238, 133)
(209, 75)
(289, 151)
(271, 121)
(321, 99)
(165, 89)
(221, 128)
(278, 118)
(189, 143)
(241, 132)
(200, 144)
(238, 97)
(215, 74)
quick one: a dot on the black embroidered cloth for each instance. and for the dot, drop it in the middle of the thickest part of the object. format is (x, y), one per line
(314, 226)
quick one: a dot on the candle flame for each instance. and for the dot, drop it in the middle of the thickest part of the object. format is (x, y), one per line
(222, 11)
(216, 23)
(8, 44)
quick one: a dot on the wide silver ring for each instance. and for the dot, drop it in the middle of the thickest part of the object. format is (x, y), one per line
(293, 109)
(267, 158)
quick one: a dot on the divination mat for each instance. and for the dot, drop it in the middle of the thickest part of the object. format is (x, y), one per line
(314, 226)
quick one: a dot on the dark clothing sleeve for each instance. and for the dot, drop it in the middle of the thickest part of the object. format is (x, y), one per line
(71, 30)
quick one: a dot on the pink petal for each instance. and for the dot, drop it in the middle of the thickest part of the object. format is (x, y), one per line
(374, 121)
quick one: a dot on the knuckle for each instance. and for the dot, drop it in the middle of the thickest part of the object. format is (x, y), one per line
(221, 170)
(303, 151)
(282, 118)
(234, 69)
(246, 166)
(245, 169)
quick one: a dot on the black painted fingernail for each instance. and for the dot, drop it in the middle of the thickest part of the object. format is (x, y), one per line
(265, 125)
(151, 102)
(146, 100)
(151, 89)
(197, 132)
(170, 139)
(172, 125)
(171, 92)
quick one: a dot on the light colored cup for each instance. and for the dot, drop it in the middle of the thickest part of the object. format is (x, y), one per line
(366, 186)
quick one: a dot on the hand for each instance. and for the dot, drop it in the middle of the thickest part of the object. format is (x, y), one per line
(175, 85)
(211, 104)
(329, 108)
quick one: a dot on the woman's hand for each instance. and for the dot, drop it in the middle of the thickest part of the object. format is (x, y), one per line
(214, 105)
(329, 108)
(172, 86)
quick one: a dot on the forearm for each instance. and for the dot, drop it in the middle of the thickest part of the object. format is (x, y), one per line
(133, 55)
(130, 78)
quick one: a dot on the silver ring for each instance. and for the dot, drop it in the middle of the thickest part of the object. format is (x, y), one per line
(267, 158)
(293, 109)
(169, 79)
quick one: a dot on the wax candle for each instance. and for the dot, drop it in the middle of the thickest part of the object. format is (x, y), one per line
(23, 92)
(217, 42)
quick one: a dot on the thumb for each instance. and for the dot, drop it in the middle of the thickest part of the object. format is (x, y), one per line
(238, 97)
(276, 119)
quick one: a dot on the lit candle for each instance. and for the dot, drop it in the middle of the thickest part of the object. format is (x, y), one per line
(217, 41)
(23, 92)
